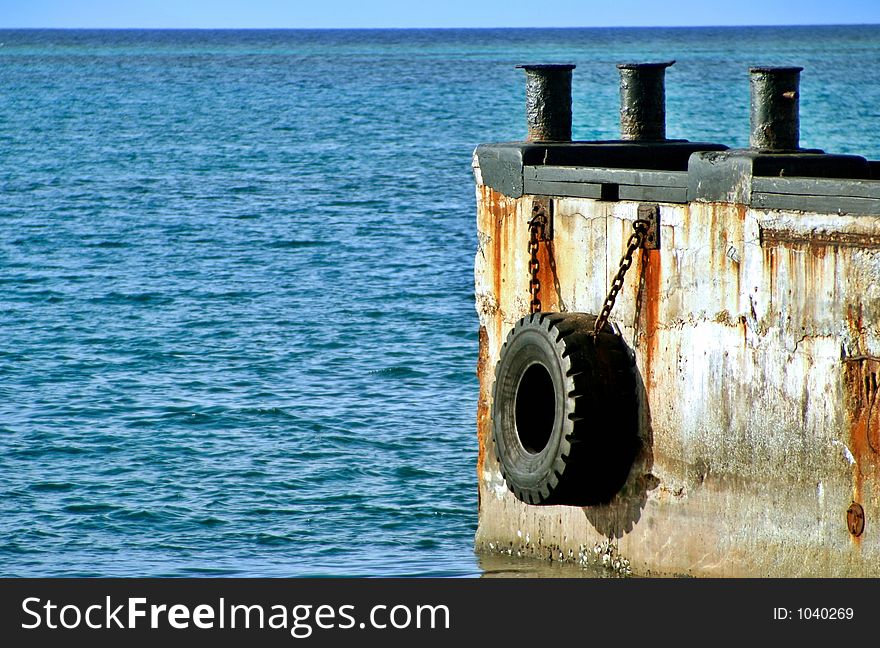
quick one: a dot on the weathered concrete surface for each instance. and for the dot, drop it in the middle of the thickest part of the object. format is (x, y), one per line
(757, 340)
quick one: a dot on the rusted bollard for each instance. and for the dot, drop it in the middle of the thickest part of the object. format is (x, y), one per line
(774, 111)
(643, 101)
(548, 102)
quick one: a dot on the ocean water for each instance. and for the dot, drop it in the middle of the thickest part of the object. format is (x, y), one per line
(237, 331)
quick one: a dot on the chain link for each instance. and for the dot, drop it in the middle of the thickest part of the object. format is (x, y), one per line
(640, 230)
(536, 233)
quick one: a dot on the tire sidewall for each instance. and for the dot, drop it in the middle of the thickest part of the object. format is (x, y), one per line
(531, 345)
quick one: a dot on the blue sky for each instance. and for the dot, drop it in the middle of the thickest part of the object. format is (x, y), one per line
(436, 13)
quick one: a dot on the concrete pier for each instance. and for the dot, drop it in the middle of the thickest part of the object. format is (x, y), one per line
(755, 334)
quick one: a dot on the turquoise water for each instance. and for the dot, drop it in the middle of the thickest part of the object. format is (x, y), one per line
(238, 334)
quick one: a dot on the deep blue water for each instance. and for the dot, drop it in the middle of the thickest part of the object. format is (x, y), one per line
(237, 333)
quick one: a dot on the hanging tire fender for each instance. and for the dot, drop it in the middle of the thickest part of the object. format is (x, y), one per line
(564, 410)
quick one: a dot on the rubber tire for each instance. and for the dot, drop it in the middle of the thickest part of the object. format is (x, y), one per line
(593, 440)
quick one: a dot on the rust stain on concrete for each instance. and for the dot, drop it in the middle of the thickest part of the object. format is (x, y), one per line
(770, 271)
(493, 200)
(860, 378)
(483, 408)
(819, 239)
(650, 260)
(549, 294)
(497, 213)
(858, 422)
(498, 207)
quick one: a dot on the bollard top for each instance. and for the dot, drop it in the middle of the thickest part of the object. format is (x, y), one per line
(645, 66)
(763, 69)
(549, 67)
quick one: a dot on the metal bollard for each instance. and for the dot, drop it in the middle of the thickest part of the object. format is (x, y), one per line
(548, 102)
(774, 111)
(643, 101)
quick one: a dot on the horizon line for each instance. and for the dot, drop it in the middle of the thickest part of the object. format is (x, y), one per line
(707, 26)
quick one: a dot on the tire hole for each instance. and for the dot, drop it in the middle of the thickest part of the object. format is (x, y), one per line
(535, 408)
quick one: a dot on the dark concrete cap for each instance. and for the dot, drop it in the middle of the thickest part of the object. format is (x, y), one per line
(502, 164)
(770, 68)
(727, 176)
(547, 66)
(644, 66)
(808, 163)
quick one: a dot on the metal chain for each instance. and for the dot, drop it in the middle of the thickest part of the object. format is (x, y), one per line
(536, 233)
(640, 229)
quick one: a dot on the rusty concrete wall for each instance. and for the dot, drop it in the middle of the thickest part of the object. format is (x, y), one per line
(757, 339)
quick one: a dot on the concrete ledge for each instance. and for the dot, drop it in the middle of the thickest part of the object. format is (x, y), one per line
(606, 184)
(802, 180)
(502, 166)
(678, 172)
(821, 195)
